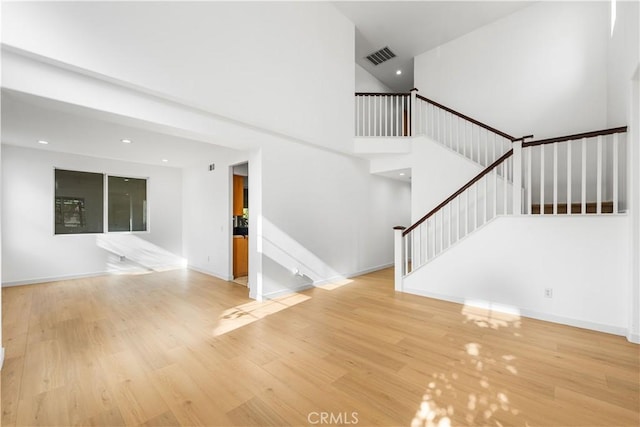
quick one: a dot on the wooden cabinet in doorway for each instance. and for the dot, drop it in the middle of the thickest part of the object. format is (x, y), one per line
(238, 194)
(240, 256)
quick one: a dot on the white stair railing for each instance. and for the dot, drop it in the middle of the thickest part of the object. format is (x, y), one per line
(383, 114)
(576, 174)
(473, 139)
(409, 114)
(483, 198)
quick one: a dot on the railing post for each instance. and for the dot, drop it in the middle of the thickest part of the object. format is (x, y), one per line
(413, 111)
(398, 257)
(517, 177)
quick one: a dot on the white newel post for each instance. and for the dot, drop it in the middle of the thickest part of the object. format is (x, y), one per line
(517, 177)
(413, 115)
(398, 257)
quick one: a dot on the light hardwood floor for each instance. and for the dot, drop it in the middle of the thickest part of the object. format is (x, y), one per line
(182, 348)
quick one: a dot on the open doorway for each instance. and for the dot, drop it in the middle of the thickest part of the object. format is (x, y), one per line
(240, 218)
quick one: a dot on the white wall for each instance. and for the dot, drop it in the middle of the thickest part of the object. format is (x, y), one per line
(311, 211)
(541, 70)
(207, 223)
(283, 66)
(1, 215)
(634, 214)
(622, 59)
(512, 260)
(436, 173)
(30, 250)
(366, 82)
(325, 216)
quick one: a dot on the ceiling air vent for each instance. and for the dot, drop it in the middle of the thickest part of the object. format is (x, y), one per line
(381, 56)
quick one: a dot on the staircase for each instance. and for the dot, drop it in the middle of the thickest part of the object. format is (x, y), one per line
(401, 115)
(586, 172)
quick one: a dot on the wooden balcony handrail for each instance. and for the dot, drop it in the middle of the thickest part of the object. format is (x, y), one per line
(381, 94)
(473, 180)
(575, 136)
(474, 121)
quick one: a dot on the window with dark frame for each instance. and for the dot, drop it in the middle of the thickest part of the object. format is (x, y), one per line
(127, 203)
(79, 203)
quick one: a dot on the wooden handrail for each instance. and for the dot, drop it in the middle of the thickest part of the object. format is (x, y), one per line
(522, 138)
(575, 136)
(465, 117)
(381, 94)
(475, 179)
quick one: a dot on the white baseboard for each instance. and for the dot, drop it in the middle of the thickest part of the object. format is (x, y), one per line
(224, 277)
(370, 270)
(547, 317)
(36, 281)
(351, 275)
(321, 282)
(634, 338)
(282, 292)
(52, 279)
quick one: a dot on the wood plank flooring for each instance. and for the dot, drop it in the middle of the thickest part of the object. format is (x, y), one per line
(182, 348)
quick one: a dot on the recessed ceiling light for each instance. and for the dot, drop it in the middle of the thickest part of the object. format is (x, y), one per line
(401, 173)
(126, 141)
(398, 72)
(43, 142)
(165, 160)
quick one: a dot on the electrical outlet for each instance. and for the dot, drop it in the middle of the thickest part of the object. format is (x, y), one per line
(548, 292)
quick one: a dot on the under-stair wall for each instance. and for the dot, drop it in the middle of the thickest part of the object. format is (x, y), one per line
(511, 263)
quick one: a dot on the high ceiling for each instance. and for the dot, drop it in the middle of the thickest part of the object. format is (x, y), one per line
(410, 28)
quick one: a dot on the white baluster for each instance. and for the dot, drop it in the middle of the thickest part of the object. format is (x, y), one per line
(458, 216)
(432, 237)
(357, 113)
(441, 229)
(615, 173)
(399, 257)
(450, 225)
(494, 172)
(437, 126)
(450, 130)
(583, 201)
(466, 212)
(493, 153)
(407, 266)
(569, 178)
(451, 126)
(517, 178)
(542, 180)
(599, 176)
(529, 184)
(486, 196)
(505, 180)
(479, 146)
(555, 179)
(359, 119)
(475, 207)
(418, 245)
(486, 147)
